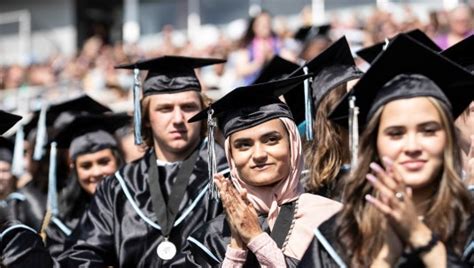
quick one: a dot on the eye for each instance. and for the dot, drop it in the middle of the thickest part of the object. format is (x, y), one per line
(273, 138)
(85, 165)
(104, 161)
(430, 130)
(242, 145)
(395, 133)
(164, 109)
(190, 107)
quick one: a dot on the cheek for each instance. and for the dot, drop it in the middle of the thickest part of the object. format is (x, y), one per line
(436, 146)
(388, 147)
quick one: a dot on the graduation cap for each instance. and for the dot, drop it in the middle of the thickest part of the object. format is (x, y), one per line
(7, 121)
(277, 69)
(369, 54)
(243, 108)
(333, 67)
(462, 53)
(6, 149)
(48, 114)
(393, 77)
(306, 33)
(166, 74)
(90, 133)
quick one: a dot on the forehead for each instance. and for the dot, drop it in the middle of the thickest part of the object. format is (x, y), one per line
(259, 130)
(411, 111)
(175, 98)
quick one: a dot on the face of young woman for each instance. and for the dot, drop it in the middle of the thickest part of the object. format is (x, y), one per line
(92, 168)
(262, 153)
(412, 135)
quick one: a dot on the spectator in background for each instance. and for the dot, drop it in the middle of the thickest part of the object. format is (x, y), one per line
(256, 48)
(460, 26)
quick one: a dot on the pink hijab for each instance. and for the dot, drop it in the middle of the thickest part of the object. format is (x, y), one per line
(270, 199)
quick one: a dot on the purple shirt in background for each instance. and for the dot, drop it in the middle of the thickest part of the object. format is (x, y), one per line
(442, 39)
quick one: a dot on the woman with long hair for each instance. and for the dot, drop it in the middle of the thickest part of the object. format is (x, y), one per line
(328, 155)
(94, 155)
(268, 220)
(404, 204)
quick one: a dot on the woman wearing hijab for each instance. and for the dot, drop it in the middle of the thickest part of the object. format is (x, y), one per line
(405, 204)
(268, 219)
(94, 155)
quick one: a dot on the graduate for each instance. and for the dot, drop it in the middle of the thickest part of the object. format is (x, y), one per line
(405, 203)
(11, 198)
(93, 155)
(38, 131)
(328, 155)
(268, 218)
(20, 245)
(142, 215)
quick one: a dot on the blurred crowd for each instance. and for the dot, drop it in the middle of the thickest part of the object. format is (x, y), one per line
(92, 69)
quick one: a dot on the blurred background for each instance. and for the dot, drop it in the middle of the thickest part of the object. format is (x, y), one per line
(53, 50)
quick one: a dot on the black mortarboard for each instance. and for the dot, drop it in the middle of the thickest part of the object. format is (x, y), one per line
(248, 106)
(6, 149)
(307, 33)
(392, 76)
(331, 68)
(462, 53)
(83, 103)
(8, 120)
(90, 133)
(370, 53)
(170, 74)
(277, 69)
(47, 115)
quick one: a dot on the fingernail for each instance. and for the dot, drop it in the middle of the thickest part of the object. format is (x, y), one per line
(368, 197)
(375, 167)
(371, 177)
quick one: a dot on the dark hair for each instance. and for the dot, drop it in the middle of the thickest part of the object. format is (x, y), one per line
(73, 200)
(249, 33)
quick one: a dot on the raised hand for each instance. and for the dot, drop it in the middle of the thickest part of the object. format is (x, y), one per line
(240, 213)
(395, 202)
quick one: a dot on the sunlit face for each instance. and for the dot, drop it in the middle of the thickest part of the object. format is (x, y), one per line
(169, 115)
(92, 168)
(6, 178)
(262, 153)
(412, 135)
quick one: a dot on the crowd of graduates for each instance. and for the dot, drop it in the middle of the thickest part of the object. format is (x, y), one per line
(317, 157)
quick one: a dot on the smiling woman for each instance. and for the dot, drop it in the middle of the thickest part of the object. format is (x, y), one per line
(94, 155)
(405, 203)
(268, 220)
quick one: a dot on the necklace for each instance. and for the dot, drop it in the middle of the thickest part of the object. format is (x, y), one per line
(291, 226)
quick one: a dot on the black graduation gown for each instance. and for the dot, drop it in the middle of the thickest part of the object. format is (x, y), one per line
(36, 201)
(21, 246)
(21, 210)
(122, 231)
(318, 256)
(208, 245)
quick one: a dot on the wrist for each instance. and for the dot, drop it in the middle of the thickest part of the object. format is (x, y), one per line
(236, 243)
(420, 236)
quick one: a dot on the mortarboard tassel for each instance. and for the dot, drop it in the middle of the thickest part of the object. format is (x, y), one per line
(308, 107)
(353, 131)
(137, 114)
(52, 193)
(211, 152)
(41, 134)
(17, 162)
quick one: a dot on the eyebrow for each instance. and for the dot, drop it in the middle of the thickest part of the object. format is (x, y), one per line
(418, 125)
(272, 132)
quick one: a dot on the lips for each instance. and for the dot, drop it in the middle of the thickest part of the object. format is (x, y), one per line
(260, 166)
(178, 132)
(413, 165)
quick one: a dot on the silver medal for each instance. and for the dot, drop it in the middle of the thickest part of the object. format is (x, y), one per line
(166, 250)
